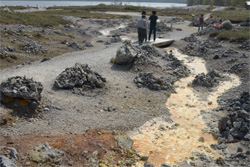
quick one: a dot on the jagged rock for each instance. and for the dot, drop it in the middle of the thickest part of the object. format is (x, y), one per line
(125, 54)
(80, 76)
(227, 25)
(6, 162)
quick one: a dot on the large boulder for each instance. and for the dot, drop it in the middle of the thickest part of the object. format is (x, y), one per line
(125, 54)
(227, 25)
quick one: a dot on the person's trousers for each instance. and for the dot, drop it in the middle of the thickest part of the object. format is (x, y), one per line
(200, 26)
(152, 28)
(141, 35)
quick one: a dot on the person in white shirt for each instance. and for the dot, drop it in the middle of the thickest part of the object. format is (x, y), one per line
(142, 29)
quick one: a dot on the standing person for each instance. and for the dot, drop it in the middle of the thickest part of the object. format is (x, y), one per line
(217, 20)
(211, 20)
(143, 13)
(153, 20)
(201, 22)
(142, 29)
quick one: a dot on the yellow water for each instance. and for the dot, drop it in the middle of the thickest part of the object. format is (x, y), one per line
(164, 144)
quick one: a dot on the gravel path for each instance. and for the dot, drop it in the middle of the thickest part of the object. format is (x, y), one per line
(77, 113)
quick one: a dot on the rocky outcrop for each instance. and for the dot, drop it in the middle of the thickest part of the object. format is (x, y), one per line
(80, 76)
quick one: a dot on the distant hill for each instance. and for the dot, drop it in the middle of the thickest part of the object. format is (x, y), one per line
(217, 2)
(162, 1)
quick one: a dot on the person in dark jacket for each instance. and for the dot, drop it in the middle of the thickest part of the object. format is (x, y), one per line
(201, 22)
(153, 21)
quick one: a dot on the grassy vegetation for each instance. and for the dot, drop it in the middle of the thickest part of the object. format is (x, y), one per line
(235, 16)
(240, 34)
(34, 19)
(177, 12)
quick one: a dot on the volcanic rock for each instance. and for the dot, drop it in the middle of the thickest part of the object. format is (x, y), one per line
(245, 45)
(34, 48)
(80, 76)
(208, 80)
(22, 87)
(236, 125)
(21, 94)
(150, 81)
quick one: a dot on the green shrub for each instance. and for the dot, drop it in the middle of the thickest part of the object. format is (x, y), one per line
(112, 60)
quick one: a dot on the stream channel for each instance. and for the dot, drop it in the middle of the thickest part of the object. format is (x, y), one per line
(166, 141)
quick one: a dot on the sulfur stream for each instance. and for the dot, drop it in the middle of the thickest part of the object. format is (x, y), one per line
(166, 142)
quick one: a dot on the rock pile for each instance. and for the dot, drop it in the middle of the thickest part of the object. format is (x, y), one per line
(191, 38)
(75, 46)
(21, 94)
(161, 27)
(245, 45)
(34, 48)
(178, 70)
(87, 44)
(79, 76)
(209, 80)
(152, 82)
(238, 68)
(236, 125)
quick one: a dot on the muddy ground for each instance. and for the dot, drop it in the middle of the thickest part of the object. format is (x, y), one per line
(65, 116)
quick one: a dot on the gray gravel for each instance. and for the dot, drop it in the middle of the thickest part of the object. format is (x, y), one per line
(70, 113)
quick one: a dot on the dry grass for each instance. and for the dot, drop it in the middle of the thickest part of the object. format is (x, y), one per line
(34, 19)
